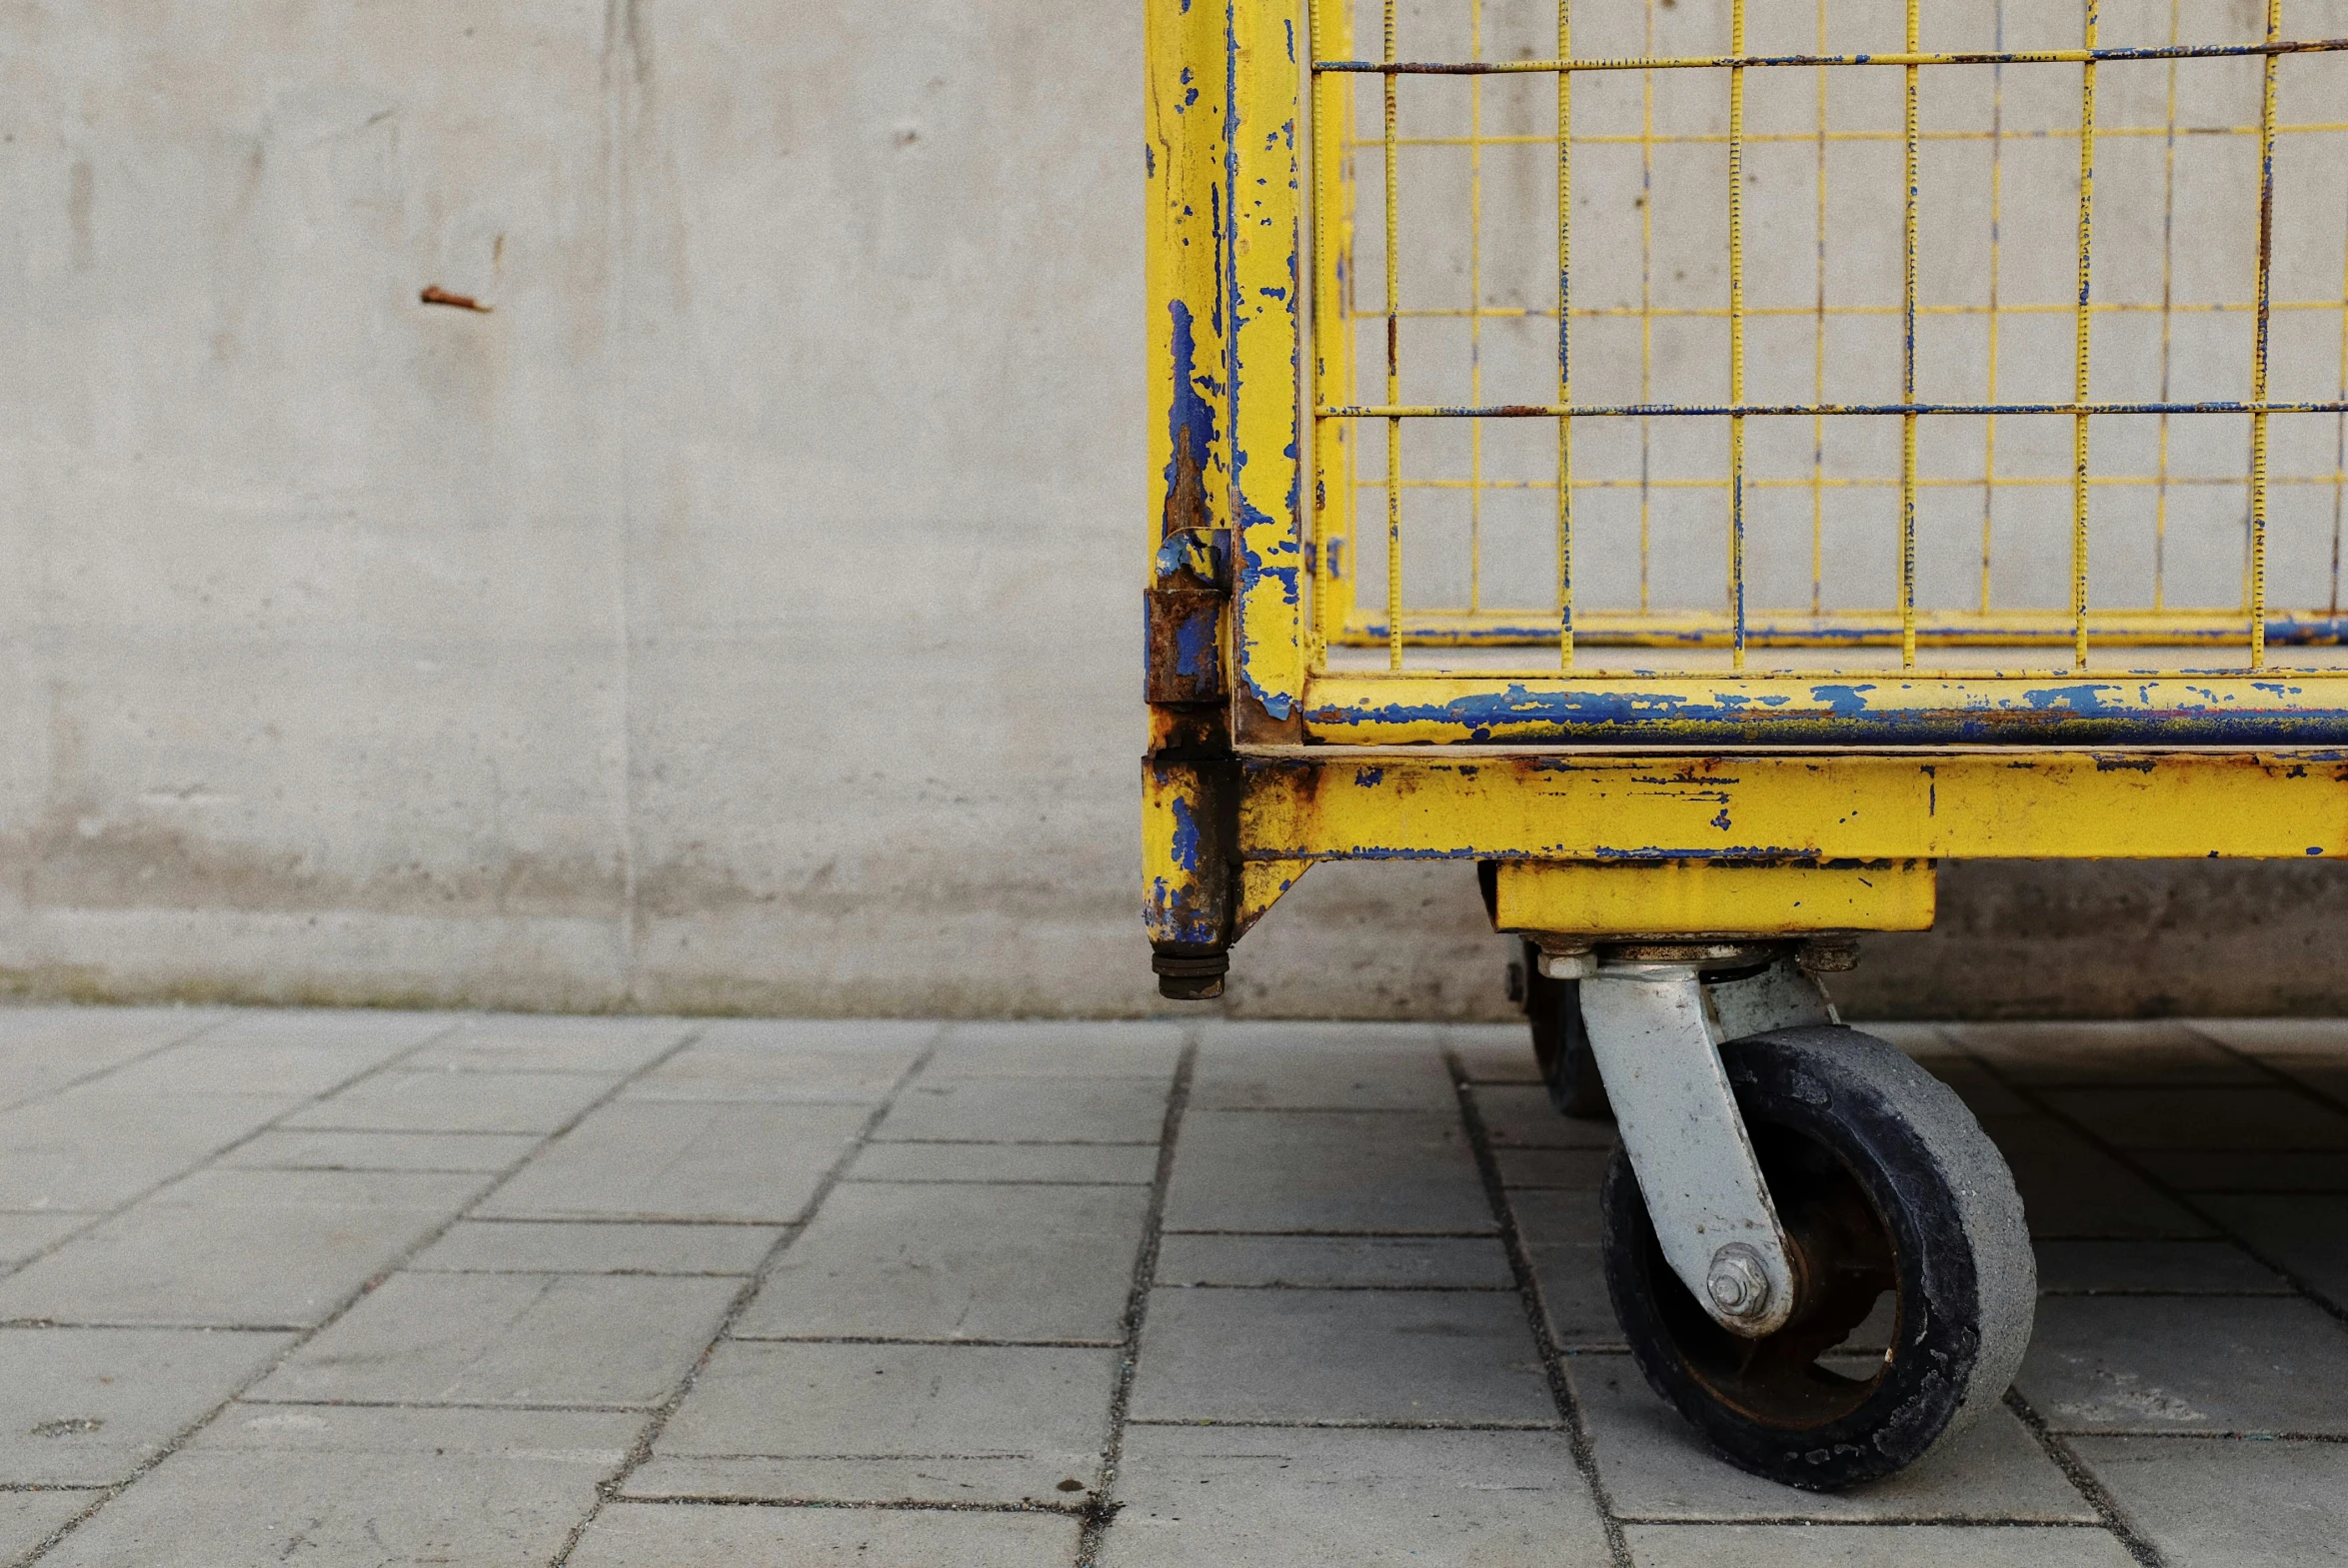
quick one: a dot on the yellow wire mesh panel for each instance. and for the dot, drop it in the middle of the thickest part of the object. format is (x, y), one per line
(1832, 326)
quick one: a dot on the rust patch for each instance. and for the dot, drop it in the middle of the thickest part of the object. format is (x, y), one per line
(1185, 503)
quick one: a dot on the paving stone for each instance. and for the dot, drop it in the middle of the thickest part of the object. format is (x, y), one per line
(1079, 1165)
(1148, 1052)
(2216, 1504)
(711, 1160)
(1573, 1293)
(2205, 1268)
(42, 1049)
(362, 1488)
(1325, 1170)
(445, 1100)
(289, 1070)
(509, 1339)
(29, 1518)
(2070, 1188)
(2198, 1172)
(2098, 1053)
(1654, 1467)
(88, 1406)
(1320, 1067)
(1338, 1355)
(24, 1236)
(1869, 1546)
(2162, 1364)
(2307, 1236)
(957, 1261)
(229, 1247)
(887, 1423)
(2204, 1119)
(525, 1043)
(299, 1149)
(778, 1063)
(88, 1152)
(526, 1246)
(1556, 1219)
(1493, 1053)
(689, 1535)
(1522, 1117)
(1572, 1169)
(1425, 1262)
(1302, 1498)
(1029, 1110)
(1989, 1098)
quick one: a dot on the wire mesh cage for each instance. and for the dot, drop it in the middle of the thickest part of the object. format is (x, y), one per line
(1816, 334)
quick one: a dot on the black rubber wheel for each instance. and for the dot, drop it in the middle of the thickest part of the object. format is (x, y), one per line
(1560, 1043)
(1889, 1188)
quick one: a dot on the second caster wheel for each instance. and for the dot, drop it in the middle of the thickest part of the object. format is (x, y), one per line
(1890, 1195)
(1559, 1041)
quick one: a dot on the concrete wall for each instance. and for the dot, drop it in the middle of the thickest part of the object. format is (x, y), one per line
(741, 614)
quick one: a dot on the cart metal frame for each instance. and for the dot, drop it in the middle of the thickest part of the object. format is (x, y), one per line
(1744, 802)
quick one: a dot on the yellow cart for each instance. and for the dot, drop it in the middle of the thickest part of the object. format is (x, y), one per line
(1694, 460)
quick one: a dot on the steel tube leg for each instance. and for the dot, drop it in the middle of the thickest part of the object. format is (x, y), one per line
(1656, 1036)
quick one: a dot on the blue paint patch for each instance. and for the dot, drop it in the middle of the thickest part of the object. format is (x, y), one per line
(2084, 697)
(1721, 821)
(2315, 848)
(1368, 777)
(1845, 701)
(1186, 837)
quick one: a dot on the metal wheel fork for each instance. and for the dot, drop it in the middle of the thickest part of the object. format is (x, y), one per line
(1656, 1027)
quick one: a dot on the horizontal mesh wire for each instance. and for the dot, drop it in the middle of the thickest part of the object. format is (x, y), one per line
(1956, 513)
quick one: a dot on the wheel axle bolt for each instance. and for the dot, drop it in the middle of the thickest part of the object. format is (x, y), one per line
(1737, 1284)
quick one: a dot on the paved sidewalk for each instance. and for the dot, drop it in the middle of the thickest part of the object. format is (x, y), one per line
(375, 1288)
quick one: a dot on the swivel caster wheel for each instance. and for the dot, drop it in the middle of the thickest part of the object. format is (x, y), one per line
(1890, 1196)
(1560, 1042)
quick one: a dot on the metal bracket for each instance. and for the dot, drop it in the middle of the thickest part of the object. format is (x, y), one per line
(1657, 1031)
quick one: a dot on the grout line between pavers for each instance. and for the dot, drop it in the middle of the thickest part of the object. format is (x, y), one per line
(1355, 1289)
(1536, 1312)
(195, 1033)
(1340, 1236)
(548, 1407)
(907, 1506)
(625, 1219)
(1015, 1144)
(2065, 1458)
(1340, 1425)
(640, 1453)
(2153, 1293)
(365, 1287)
(1909, 1522)
(2085, 1482)
(1100, 1510)
(933, 1339)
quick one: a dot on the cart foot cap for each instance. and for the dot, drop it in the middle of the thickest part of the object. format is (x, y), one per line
(1190, 976)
